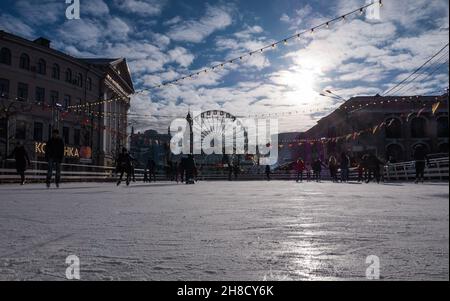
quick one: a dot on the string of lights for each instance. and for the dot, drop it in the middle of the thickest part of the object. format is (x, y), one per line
(218, 66)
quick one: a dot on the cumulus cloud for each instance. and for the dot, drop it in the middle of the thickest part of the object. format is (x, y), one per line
(195, 31)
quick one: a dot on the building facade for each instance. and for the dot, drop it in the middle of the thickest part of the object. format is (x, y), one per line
(42, 89)
(150, 145)
(408, 122)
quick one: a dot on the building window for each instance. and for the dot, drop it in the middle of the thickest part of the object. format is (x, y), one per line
(24, 61)
(66, 132)
(42, 67)
(76, 137)
(22, 92)
(393, 128)
(21, 130)
(40, 95)
(54, 97)
(5, 56)
(68, 75)
(418, 128)
(38, 133)
(4, 88)
(394, 153)
(442, 127)
(80, 80)
(55, 71)
(66, 101)
(89, 83)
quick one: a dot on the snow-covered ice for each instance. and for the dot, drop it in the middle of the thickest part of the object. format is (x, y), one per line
(275, 230)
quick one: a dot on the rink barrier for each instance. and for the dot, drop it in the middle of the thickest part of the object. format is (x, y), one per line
(438, 169)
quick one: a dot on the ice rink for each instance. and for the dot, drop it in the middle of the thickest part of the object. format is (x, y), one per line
(225, 231)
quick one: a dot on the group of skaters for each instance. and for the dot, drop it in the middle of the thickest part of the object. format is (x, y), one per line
(54, 155)
(184, 171)
(369, 168)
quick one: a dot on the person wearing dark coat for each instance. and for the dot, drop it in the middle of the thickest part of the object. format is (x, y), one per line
(123, 165)
(420, 159)
(317, 169)
(190, 170)
(345, 167)
(151, 169)
(22, 160)
(373, 164)
(54, 155)
(268, 172)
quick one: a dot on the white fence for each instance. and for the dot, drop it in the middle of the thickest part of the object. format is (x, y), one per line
(438, 169)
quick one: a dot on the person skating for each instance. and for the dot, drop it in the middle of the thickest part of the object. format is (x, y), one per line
(373, 165)
(268, 172)
(22, 160)
(151, 170)
(300, 167)
(190, 170)
(333, 167)
(54, 154)
(345, 165)
(123, 165)
(317, 170)
(420, 159)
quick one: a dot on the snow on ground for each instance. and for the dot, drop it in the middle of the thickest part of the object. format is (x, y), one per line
(225, 231)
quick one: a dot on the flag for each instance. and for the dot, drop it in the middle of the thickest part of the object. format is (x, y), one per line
(435, 107)
(409, 116)
(375, 129)
(420, 112)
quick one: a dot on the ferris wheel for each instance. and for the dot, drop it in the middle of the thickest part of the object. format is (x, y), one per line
(213, 127)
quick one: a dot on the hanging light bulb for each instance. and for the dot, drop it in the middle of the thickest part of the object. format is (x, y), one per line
(312, 30)
(361, 11)
(327, 25)
(285, 42)
(381, 3)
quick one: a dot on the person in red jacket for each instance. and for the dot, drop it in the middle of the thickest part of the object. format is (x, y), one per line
(300, 167)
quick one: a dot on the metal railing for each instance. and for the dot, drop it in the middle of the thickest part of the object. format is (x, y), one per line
(437, 169)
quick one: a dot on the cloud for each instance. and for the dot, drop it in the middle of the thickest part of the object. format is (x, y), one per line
(42, 12)
(16, 26)
(94, 8)
(141, 7)
(181, 56)
(195, 31)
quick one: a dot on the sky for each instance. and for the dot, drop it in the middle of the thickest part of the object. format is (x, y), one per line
(166, 39)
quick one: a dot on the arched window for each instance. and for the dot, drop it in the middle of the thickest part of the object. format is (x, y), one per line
(442, 127)
(443, 148)
(418, 127)
(68, 75)
(80, 80)
(5, 56)
(394, 153)
(24, 61)
(89, 83)
(393, 128)
(55, 71)
(41, 67)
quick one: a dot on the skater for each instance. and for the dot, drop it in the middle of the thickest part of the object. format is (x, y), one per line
(123, 165)
(345, 165)
(300, 166)
(182, 168)
(373, 165)
(54, 154)
(268, 172)
(151, 170)
(317, 170)
(420, 159)
(333, 167)
(22, 160)
(190, 170)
